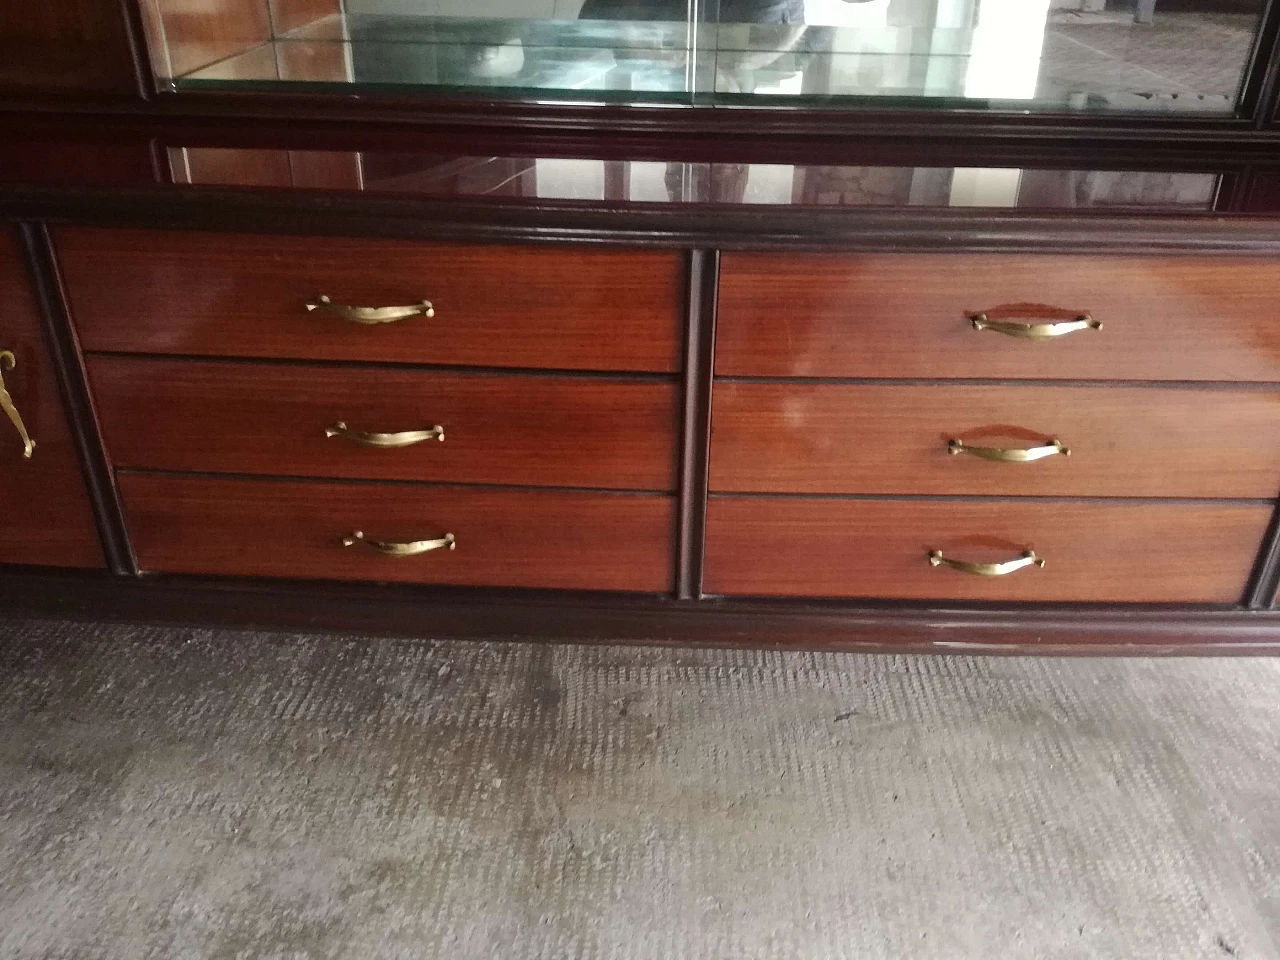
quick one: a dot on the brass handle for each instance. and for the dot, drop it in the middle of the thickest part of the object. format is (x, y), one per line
(7, 359)
(385, 441)
(1028, 558)
(370, 315)
(1035, 330)
(1054, 446)
(410, 549)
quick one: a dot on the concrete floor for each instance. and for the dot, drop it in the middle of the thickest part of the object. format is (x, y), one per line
(184, 793)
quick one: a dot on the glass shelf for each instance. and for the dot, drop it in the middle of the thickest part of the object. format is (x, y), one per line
(416, 174)
(1110, 56)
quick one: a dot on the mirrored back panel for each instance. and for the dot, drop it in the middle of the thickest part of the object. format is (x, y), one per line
(1112, 56)
(649, 182)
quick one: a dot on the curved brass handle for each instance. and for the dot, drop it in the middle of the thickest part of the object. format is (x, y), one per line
(1054, 446)
(370, 315)
(410, 549)
(1028, 558)
(7, 359)
(385, 441)
(1035, 330)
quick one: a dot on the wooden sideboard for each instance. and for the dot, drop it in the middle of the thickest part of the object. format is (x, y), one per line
(573, 427)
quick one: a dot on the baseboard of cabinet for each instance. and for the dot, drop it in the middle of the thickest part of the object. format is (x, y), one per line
(414, 612)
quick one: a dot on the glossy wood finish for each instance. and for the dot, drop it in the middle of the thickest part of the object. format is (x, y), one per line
(271, 419)
(277, 528)
(45, 516)
(892, 439)
(832, 315)
(68, 164)
(374, 609)
(223, 295)
(66, 47)
(1153, 552)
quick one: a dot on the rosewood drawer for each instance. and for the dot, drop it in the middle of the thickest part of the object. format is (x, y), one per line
(45, 515)
(193, 293)
(503, 538)
(909, 316)
(897, 439)
(1115, 552)
(265, 418)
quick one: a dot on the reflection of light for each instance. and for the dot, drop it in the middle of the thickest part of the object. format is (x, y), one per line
(1004, 61)
(841, 13)
(985, 187)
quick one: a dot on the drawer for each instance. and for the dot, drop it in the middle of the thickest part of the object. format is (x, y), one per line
(1164, 318)
(281, 528)
(1130, 552)
(220, 416)
(46, 518)
(218, 295)
(894, 439)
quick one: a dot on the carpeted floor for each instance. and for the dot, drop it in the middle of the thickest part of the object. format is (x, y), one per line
(186, 793)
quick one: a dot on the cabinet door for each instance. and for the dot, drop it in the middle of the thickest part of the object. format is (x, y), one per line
(45, 516)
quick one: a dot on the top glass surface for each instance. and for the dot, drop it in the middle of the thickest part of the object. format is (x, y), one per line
(1126, 56)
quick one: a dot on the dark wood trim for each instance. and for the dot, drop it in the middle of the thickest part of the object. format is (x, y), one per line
(136, 36)
(724, 226)
(62, 344)
(571, 617)
(1265, 580)
(699, 361)
(1258, 89)
(756, 134)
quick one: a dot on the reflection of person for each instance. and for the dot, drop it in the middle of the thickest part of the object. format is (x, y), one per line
(731, 11)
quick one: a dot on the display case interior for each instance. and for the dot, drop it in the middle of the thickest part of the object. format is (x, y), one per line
(1094, 56)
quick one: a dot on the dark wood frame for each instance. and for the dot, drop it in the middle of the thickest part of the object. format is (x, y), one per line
(686, 615)
(748, 132)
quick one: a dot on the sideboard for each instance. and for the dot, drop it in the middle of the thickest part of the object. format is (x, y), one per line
(910, 325)
(891, 429)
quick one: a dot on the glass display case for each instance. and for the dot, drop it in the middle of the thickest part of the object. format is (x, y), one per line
(1183, 57)
(418, 174)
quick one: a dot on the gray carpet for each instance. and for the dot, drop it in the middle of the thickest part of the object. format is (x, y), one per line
(186, 793)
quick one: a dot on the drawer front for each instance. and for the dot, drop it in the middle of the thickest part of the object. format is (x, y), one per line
(272, 419)
(279, 528)
(46, 518)
(219, 295)
(1164, 318)
(869, 439)
(1144, 552)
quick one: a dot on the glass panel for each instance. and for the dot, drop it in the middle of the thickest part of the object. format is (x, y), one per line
(1096, 55)
(648, 182)
(521, 48)
(1128, 56)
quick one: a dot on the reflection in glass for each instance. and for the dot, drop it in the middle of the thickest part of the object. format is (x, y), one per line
(1116, 55)
(1078, 55)
(647, 182)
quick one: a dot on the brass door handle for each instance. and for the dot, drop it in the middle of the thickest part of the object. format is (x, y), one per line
(385, 441)
(7, 359)
(1033, 330)
(370, 315)
(410, 549)
(1054, 446)
(1028, 558)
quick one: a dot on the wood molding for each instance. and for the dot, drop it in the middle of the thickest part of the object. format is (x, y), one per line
(699, 361)
(420, 612)
(733, 227)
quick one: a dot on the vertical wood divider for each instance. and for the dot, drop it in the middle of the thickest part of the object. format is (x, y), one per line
(1265, 581)
(64, 347)
(695, 432)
